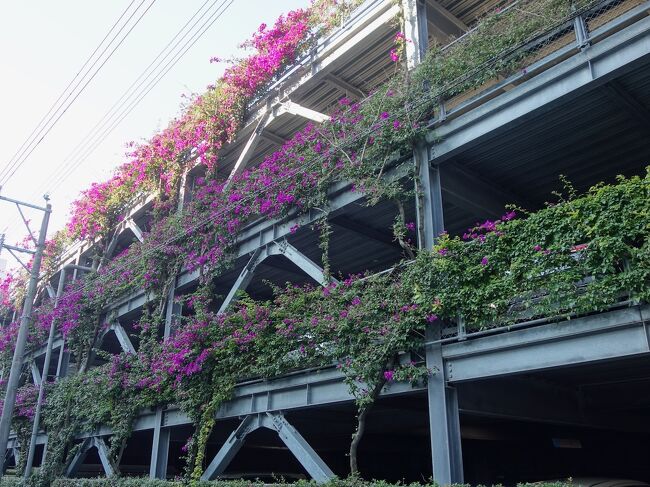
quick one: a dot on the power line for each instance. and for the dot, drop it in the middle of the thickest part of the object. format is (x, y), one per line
(56, 102)
(42, 133)
(117, 113)
(143, 85)
(116, 106)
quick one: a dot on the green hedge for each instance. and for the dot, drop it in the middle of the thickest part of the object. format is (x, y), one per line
(139, 482)
(145, 482)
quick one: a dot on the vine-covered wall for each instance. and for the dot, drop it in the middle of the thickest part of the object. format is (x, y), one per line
(579, 255)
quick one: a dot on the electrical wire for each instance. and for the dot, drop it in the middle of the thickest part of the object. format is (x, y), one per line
(90, 142)
(11, 169)
(101, 124)
(129, 101)
(56, 102)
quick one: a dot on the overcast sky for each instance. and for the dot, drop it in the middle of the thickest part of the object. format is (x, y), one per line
(43, 44)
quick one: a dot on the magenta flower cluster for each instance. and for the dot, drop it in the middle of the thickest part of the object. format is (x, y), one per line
(25, 402)
(211, 121)
(481, 230)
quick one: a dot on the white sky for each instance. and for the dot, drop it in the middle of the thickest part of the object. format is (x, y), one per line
(43, 44)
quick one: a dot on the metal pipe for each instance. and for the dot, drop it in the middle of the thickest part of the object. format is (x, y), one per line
(18, 249)
(21, 340)
(47, 209)
(62, 353)
(77, 267)
(44, 374)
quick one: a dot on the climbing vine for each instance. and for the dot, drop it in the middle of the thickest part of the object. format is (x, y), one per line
(580, 255)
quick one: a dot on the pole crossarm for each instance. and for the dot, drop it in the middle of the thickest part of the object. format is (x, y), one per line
(46, 209)
(18, 249)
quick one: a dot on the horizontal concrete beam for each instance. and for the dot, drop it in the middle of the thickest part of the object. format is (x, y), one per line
(605, 336)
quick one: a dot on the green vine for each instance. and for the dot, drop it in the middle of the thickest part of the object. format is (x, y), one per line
(506, 271)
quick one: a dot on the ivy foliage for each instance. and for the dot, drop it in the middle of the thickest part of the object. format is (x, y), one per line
(577, 256)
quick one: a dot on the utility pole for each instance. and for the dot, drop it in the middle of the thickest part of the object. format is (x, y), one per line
(46, 367)
(21, 340)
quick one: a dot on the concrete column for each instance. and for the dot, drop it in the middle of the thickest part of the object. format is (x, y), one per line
(444, 424)
(160, 449)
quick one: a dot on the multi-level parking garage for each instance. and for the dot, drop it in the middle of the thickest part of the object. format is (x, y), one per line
(541, 400)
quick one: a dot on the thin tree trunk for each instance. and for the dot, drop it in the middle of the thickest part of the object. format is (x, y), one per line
(361, 420)
(356, 439)
(403, 244)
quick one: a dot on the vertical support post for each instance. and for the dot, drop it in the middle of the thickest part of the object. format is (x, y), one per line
(161, 436)
(429, 207)
(455, 444)
(16, 453)
(62, 364)
(36, 374)
(44, 455)
(580, 29)
(444, 423)
(43, 383)
(172, 310)
(423, 29)
(182, 192)
(160, 449)
(416, 31)
(21, 340)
